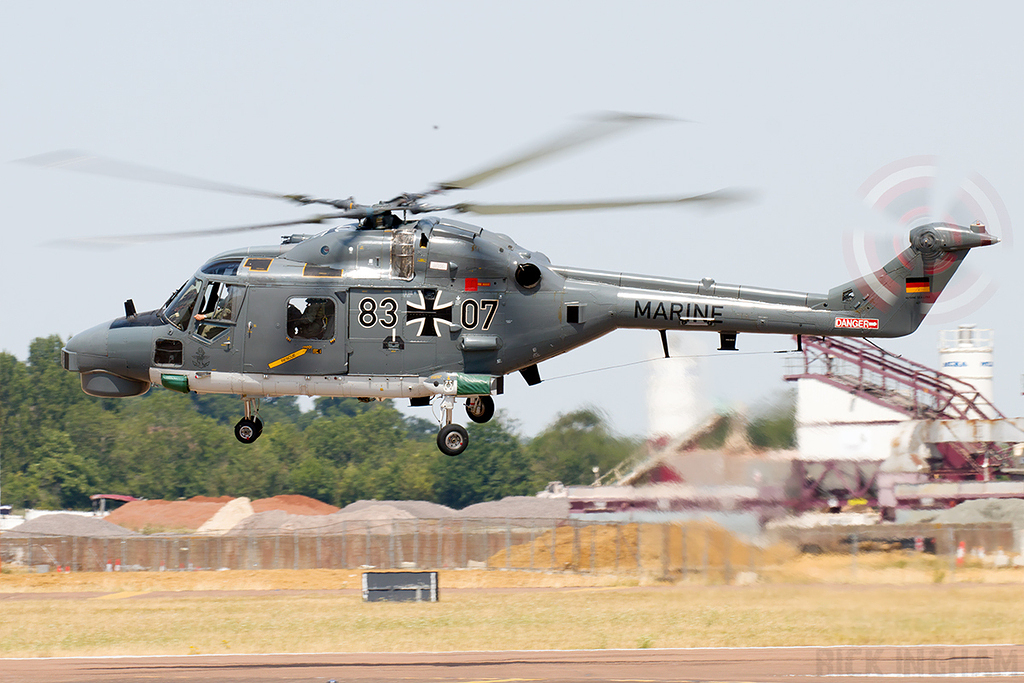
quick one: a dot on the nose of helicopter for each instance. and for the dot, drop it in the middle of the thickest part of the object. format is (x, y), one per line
(103, 375)
(87, 350)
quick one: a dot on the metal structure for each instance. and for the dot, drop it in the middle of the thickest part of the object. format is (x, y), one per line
(943, 433)
(865, 370)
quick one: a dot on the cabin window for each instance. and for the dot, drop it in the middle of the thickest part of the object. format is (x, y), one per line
(403, 262)
(572, 313)
(311, 318)
(179, 310)
(167, 352)
(218, 309)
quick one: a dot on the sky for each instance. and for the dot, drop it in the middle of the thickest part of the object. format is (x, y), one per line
(799, 102)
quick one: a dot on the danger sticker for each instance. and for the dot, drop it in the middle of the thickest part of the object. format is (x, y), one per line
(856, 323)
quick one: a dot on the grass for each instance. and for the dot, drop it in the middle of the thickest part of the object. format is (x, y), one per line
(591, 612)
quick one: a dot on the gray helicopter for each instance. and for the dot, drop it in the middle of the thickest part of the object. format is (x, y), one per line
(404, 303)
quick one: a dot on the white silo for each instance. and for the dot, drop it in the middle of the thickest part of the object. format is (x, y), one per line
(967, 353)
(674, 405)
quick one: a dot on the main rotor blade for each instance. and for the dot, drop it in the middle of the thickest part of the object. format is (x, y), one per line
(82, 162)
(719, 197)
(598, 127)
(114, 241)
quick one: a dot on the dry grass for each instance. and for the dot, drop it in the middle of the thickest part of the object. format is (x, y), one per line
(875, 598)
(592, 612)
(279, 579)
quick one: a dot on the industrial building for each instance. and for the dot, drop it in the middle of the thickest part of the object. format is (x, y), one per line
(876, 433)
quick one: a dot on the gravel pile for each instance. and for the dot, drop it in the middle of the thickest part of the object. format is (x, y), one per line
(984, 511)
(379, 518)
(420, 509)
(60, 524)
(519, 507)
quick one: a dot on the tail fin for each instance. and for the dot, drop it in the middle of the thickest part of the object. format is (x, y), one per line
(902, 292)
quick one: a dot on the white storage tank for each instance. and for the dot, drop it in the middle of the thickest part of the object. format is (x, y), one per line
(674, 398)
(967, 354)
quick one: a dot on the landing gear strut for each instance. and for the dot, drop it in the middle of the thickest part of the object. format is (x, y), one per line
(249, 427)
(453, 438)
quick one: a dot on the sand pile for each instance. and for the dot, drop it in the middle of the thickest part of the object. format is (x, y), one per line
(60, 524)
(293, 504)
(165, 515)
(700, 543)
(228, 517)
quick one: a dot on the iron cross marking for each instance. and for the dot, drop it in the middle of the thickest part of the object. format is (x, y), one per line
(428, 310)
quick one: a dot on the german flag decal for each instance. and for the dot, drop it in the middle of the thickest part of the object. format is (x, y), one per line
(919, 285)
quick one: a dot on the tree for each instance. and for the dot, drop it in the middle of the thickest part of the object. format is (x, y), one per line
(775, 424)
(60, 478)
(494, 466)
(573, 445)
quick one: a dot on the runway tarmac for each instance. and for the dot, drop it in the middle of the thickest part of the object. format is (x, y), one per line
(760, 665)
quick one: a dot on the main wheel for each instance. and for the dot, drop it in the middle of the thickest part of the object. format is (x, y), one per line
(480, 408)
(248, 430)
(452, 439)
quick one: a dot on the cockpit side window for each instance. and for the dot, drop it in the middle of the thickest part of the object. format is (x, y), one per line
(311, 318)
(179, 309)
(403, 262)
(226, 266)
(218, 309)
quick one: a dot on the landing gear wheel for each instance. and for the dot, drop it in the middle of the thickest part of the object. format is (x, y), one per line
(480, 408)
(248, 430)
(452, 439)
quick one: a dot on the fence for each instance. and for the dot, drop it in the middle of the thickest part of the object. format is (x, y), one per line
(670, 550)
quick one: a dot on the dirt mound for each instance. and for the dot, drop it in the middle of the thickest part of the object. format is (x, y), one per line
(293, 504)
(210, 499)
(417, 508)
(689, 546)
(60, 524)
(164, 515)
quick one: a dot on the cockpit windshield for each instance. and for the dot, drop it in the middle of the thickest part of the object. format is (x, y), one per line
(179, 309)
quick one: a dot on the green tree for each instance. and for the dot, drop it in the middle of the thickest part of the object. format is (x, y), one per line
(60, 478)
(494, 466)
(572, 446)
(774, 426)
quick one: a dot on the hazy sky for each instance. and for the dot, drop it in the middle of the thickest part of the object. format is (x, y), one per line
(801, 102)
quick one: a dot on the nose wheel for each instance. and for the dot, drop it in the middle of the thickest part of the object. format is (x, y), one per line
(452, 439)
(249, 428)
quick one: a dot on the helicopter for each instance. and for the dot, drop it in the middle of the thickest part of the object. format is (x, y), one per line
(406, 302)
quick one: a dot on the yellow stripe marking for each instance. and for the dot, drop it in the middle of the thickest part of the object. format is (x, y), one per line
(290, 356)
